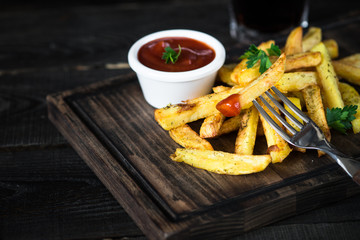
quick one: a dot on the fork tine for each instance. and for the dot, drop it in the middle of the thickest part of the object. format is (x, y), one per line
(283, 110)
(277, 115)
(283, 98)
(272, 123)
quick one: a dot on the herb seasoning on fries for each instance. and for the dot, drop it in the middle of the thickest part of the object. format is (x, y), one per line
(303, 70)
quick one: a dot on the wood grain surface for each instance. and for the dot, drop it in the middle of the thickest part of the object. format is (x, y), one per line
(46, 189)
(113, 129)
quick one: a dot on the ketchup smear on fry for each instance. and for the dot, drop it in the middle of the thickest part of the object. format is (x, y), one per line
(194, 54)
(230, 106)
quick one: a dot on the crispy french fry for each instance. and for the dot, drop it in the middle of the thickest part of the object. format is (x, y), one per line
(293, 43)
(225, 74)
(222, 162)
(211, 125)
(174, 116)
(245, 140)
(262, 83)
(311, 38)
(242, 75)
(328, 79)
(332, 47)
(188, 138)
(349, 68)
(296, 81)
(231, 124)
(220, 88)
(302, 60)
(351, 97)
(296, 102)
(278, 148)
(315, 110)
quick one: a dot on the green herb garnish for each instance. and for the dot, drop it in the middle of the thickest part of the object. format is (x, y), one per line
(340, 118)
(170, 55)
(253, 54)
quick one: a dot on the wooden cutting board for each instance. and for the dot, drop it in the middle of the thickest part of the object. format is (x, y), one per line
(112, 128)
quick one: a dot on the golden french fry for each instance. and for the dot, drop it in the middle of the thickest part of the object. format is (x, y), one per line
(278, 148)
(242, 75)
(220, 88)
(296, 81)
(293, 43)
(349, 68)
(231, 124)
(351, 97)
(211, 125)
(262, 83)
(315, 110)
(302, 60)
(311, 38)
(296, 102)
(328, 79)
(188, 138)
(173, 116)
(245, 140)
(225, 74)
(222, 162)
(332, 47)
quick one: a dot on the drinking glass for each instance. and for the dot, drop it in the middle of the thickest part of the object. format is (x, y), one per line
(254, 21)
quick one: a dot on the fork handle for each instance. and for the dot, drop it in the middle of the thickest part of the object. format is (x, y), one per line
(350, 165)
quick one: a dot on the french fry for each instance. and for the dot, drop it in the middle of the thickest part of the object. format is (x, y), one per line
(231, 124)
(222, 162)
(348, 68)
(315, 110)
(245, 140)
(293, 43)
(332, 47)
(296, 81)
(173, 116)
(188, 138)
(311, 38)
(296, 102)
(225, 72)
(242, 75)
(262, 83)
(302, 60)
(278, 148)
(211, 125)
(328, 79)
(351, 97)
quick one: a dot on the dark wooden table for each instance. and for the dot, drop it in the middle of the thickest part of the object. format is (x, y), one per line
(46, 190)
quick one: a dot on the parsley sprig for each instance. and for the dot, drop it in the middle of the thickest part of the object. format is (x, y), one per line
(340, 118)
(253, 54)
(170, 55)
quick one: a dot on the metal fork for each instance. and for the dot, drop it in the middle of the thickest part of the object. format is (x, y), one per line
(310, 135)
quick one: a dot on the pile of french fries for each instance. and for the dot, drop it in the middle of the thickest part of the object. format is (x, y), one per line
(307, 72)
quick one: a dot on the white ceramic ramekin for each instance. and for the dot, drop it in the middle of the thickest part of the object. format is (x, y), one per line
(162, 88)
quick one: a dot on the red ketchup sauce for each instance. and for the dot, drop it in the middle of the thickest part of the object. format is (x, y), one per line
(230, 106)
(194, 54)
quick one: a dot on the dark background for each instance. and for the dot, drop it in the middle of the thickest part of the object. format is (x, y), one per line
(46, 190)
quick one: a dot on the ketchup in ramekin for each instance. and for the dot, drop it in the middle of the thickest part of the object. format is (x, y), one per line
(194, 54)
(192, 75)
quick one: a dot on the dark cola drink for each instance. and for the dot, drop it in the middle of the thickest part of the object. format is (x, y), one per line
(254, 21)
